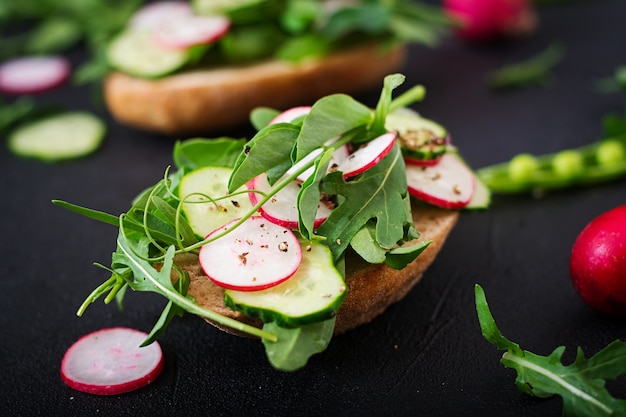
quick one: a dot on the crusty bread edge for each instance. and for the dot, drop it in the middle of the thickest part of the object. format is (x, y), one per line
(203, 100)
(371, 288)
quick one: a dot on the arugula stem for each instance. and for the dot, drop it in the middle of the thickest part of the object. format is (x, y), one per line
(414, 94)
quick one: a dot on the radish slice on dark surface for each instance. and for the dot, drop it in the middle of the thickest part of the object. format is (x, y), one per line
(193, 30)
(33, 74)
(256, 255)
(154, 15)
(282, 208)
(449, 184)
(111, 361)
(367, 155)
(291, 114)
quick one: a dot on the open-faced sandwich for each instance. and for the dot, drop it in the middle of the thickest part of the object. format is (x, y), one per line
(314, 226)
(193, 67)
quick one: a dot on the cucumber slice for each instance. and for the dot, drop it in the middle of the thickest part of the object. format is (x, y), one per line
(59, 137)
(481, 199)
(420, 139)
(135, 53)
(204, 215)
(313, 294)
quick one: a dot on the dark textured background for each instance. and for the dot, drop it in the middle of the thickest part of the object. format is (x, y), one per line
(425, 355)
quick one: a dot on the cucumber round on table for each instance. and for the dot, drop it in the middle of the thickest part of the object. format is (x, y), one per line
(313, 294)
(135, 53)
(59, 137)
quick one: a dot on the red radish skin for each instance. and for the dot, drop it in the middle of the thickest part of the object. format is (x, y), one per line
(193, 30)
(598, 263)
(449, 184)
(154, 15)
(484, 20)
(368, 155)
(258, 254)
(422, 162)
(111, 362)
(282, 209)
(33, 74)
(291, 114)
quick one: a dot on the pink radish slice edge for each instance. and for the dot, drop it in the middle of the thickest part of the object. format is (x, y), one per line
(154, 15)
(189, 31)
(422, 162)
(256, 255)
(110, 362)
(282, 209)
(33, 74)
(449, 184)
(368, 155)
(291, 114)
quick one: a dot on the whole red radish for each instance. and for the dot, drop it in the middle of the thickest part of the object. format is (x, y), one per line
(598, 263)
(483, 20)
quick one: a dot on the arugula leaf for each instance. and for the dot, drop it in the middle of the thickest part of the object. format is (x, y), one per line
(295, 346)
(330, 116)
(380, 193)
(390, 83)
(532, 71)
(199, 152)
(268, 151)
(580, 384)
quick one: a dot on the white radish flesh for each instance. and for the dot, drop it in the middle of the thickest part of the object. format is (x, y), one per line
(449, 184)
(33, 74)
(255, 255)
(191, 31)
(154, 15)
(367, 155)
(111, 361)
(282, 208)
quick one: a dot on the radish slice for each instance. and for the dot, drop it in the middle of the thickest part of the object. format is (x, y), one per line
(282, 208)
(33, 74)
(291, 114)
(449, 184)
(190, 31)
(367, 155)
(111, 361)
(154, 15)
(256, 255)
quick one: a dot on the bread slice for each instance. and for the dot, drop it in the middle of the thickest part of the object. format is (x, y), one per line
(371, 288)
(204, 100)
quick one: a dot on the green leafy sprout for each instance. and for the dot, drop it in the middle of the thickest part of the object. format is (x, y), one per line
(581, 384)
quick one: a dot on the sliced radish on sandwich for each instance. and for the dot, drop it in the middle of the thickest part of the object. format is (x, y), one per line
(282, 208)
(367, 155)
(111, 361)
(256, 255)
(291, 114)
(449, 184)
(154, 15)
(190, 31)
(33, 74)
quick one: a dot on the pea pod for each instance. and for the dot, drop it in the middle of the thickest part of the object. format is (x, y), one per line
(601, 161)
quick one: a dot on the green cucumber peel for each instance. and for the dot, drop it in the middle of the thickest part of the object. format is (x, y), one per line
(580, 384)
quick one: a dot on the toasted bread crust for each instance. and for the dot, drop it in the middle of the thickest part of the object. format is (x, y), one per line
(199, 101)
(371, 288)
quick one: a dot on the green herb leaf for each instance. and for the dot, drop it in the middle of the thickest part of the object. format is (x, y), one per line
(580, 384)
(533, 71)
(295, 346)
(268, 151)
(330, 117)
(379, 194)
(200, 152)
